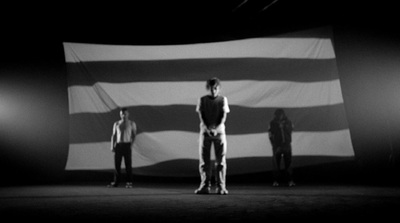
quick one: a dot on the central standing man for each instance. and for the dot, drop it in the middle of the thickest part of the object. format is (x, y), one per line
(213, 109)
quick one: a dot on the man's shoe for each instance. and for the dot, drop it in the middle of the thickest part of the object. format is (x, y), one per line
(112, 184)
(128, 185)
(202, 190)
(291, 183)
(275, 184)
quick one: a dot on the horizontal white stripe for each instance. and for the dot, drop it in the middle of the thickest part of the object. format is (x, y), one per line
(152, 148)
(302, 48)
(103, 97)
(89, 99)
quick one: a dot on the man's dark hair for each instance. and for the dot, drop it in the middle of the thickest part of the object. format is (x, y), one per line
(123, 109)
(278, 112)
(213, 82)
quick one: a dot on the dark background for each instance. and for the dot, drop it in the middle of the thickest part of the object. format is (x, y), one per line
(33, 79)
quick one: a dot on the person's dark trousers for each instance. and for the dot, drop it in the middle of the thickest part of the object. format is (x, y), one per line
(282, 152)
(123, 151)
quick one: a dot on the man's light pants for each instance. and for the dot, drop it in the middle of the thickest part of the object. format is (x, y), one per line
(206, 167)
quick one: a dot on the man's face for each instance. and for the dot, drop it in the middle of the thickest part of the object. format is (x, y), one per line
(214, 90)
(124, 114)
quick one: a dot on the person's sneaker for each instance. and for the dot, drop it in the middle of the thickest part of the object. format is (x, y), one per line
(275, 184)
(112, 184)
(222, 191)
(202, 190)
(128, 185)
(291, 183)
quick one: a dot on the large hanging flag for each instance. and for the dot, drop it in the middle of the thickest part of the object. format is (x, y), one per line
(161, 84)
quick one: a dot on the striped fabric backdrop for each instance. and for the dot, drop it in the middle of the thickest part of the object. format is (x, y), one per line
(160, 85)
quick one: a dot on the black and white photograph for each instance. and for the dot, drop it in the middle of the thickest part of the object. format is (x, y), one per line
(200, 111)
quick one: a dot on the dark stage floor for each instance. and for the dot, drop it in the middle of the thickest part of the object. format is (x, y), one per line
(175, 201)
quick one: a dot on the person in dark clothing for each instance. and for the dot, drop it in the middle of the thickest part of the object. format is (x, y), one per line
(280, 135)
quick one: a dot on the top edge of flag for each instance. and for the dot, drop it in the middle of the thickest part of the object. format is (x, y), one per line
(296, 48)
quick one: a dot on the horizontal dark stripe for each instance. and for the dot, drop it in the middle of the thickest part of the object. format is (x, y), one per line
(263, 69)
(236, 166)
(97, 127)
